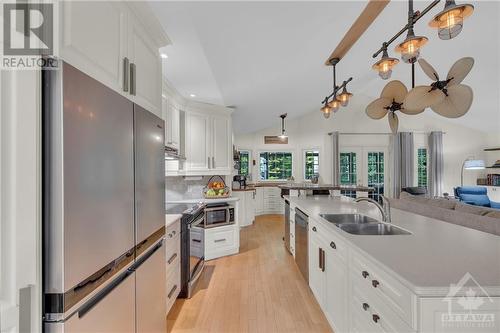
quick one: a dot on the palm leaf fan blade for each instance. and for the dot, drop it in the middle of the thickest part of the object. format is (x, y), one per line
(378, 108)
(459, 70)
(457, 103)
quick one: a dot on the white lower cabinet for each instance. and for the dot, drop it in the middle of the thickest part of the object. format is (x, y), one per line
(246, 205)
(222, 241)
(358, 296)
(269, 201)
(328, 277)
(173, 251)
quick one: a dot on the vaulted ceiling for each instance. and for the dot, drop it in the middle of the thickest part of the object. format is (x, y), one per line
(266, 58)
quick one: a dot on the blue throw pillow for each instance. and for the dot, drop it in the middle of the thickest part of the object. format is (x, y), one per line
(478, 200)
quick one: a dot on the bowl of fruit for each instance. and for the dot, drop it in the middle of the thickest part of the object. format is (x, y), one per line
(216, 189)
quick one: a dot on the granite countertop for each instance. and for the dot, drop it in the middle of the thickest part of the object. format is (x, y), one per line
(202, 200)
(436, 254)
(171, 218)
(307, 186)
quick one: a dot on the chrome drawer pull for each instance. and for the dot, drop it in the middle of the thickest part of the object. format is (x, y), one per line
(220, 240)
(196, 240)
(172, 258)
(172, 291)
(365, 274)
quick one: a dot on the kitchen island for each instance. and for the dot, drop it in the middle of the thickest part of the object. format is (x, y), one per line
(298, 189)
(401, 283)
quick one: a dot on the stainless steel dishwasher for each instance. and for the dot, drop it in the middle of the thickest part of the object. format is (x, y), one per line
(301, 243)
(286, 236)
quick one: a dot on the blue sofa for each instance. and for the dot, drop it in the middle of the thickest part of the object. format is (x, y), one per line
(475, 195)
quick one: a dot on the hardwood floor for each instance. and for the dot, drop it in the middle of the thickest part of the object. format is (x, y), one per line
(258, 290)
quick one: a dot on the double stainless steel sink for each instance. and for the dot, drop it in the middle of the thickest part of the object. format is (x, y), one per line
(358, 224)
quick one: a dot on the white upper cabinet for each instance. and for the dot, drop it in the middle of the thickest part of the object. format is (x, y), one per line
(94, 39)
(146, 74)
(198, 142)
(209, 143)
(222, 149)
(117, 44)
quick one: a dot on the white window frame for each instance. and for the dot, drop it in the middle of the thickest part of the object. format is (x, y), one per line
(250, 161)
(274, 151)
(303, 164)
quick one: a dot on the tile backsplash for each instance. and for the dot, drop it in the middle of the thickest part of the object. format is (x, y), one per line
(180, 188)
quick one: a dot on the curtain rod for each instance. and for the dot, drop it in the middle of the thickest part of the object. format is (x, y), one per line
(352, 133)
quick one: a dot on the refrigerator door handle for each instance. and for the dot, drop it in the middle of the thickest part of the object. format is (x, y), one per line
(146, 256)
(126, 76)
(132, 79)
(85, 308)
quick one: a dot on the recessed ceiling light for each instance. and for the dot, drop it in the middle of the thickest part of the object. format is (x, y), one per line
(192, 95)
(164, 55)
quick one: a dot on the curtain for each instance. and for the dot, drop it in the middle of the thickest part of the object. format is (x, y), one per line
(436, 164)
(336, 158)
(403, 162)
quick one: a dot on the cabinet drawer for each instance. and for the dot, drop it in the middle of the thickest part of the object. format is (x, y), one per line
(220, 239)
(371, 314)
(173, 287)
(330, 237)
(173, 256)
(385, 288)
(173, 230)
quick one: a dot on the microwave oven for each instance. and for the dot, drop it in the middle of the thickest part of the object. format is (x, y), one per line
(217, 215)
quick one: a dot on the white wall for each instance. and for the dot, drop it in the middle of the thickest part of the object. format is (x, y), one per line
(312, 130)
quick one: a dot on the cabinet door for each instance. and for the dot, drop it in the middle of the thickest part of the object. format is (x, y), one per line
(175, 120)
(259, 200)
(241, 208)
(221, 152)
(317, 278)
(250, 207)
(198, 142)
(93, 38)
(171, 116)
(336, 290)
(146, 58)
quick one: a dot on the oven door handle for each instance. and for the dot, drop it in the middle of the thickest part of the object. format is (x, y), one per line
(197, 222)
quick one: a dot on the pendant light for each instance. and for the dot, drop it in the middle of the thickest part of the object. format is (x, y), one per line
(326, 111)
(449, 21)
(283, 135)
(385, 65)
(410, 47)
(333, 105)
(344, 97)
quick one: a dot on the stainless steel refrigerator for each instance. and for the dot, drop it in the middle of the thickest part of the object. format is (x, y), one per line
(103, 209)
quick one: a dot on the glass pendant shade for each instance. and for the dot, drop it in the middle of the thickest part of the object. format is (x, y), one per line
(334, 104)
(410, 47)
(385, 65)
(326, 111)
(450, 21)
(344, 97)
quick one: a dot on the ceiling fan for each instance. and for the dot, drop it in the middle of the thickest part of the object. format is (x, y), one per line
(392, 99)
(448, 98)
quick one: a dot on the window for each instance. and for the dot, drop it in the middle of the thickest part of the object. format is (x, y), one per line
(311, 163)
(244, 169)
(275, 165)
(348, 172)
(422, 167)
(376, 174)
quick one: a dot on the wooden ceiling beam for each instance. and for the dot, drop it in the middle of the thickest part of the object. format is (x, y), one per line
(358, 28)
